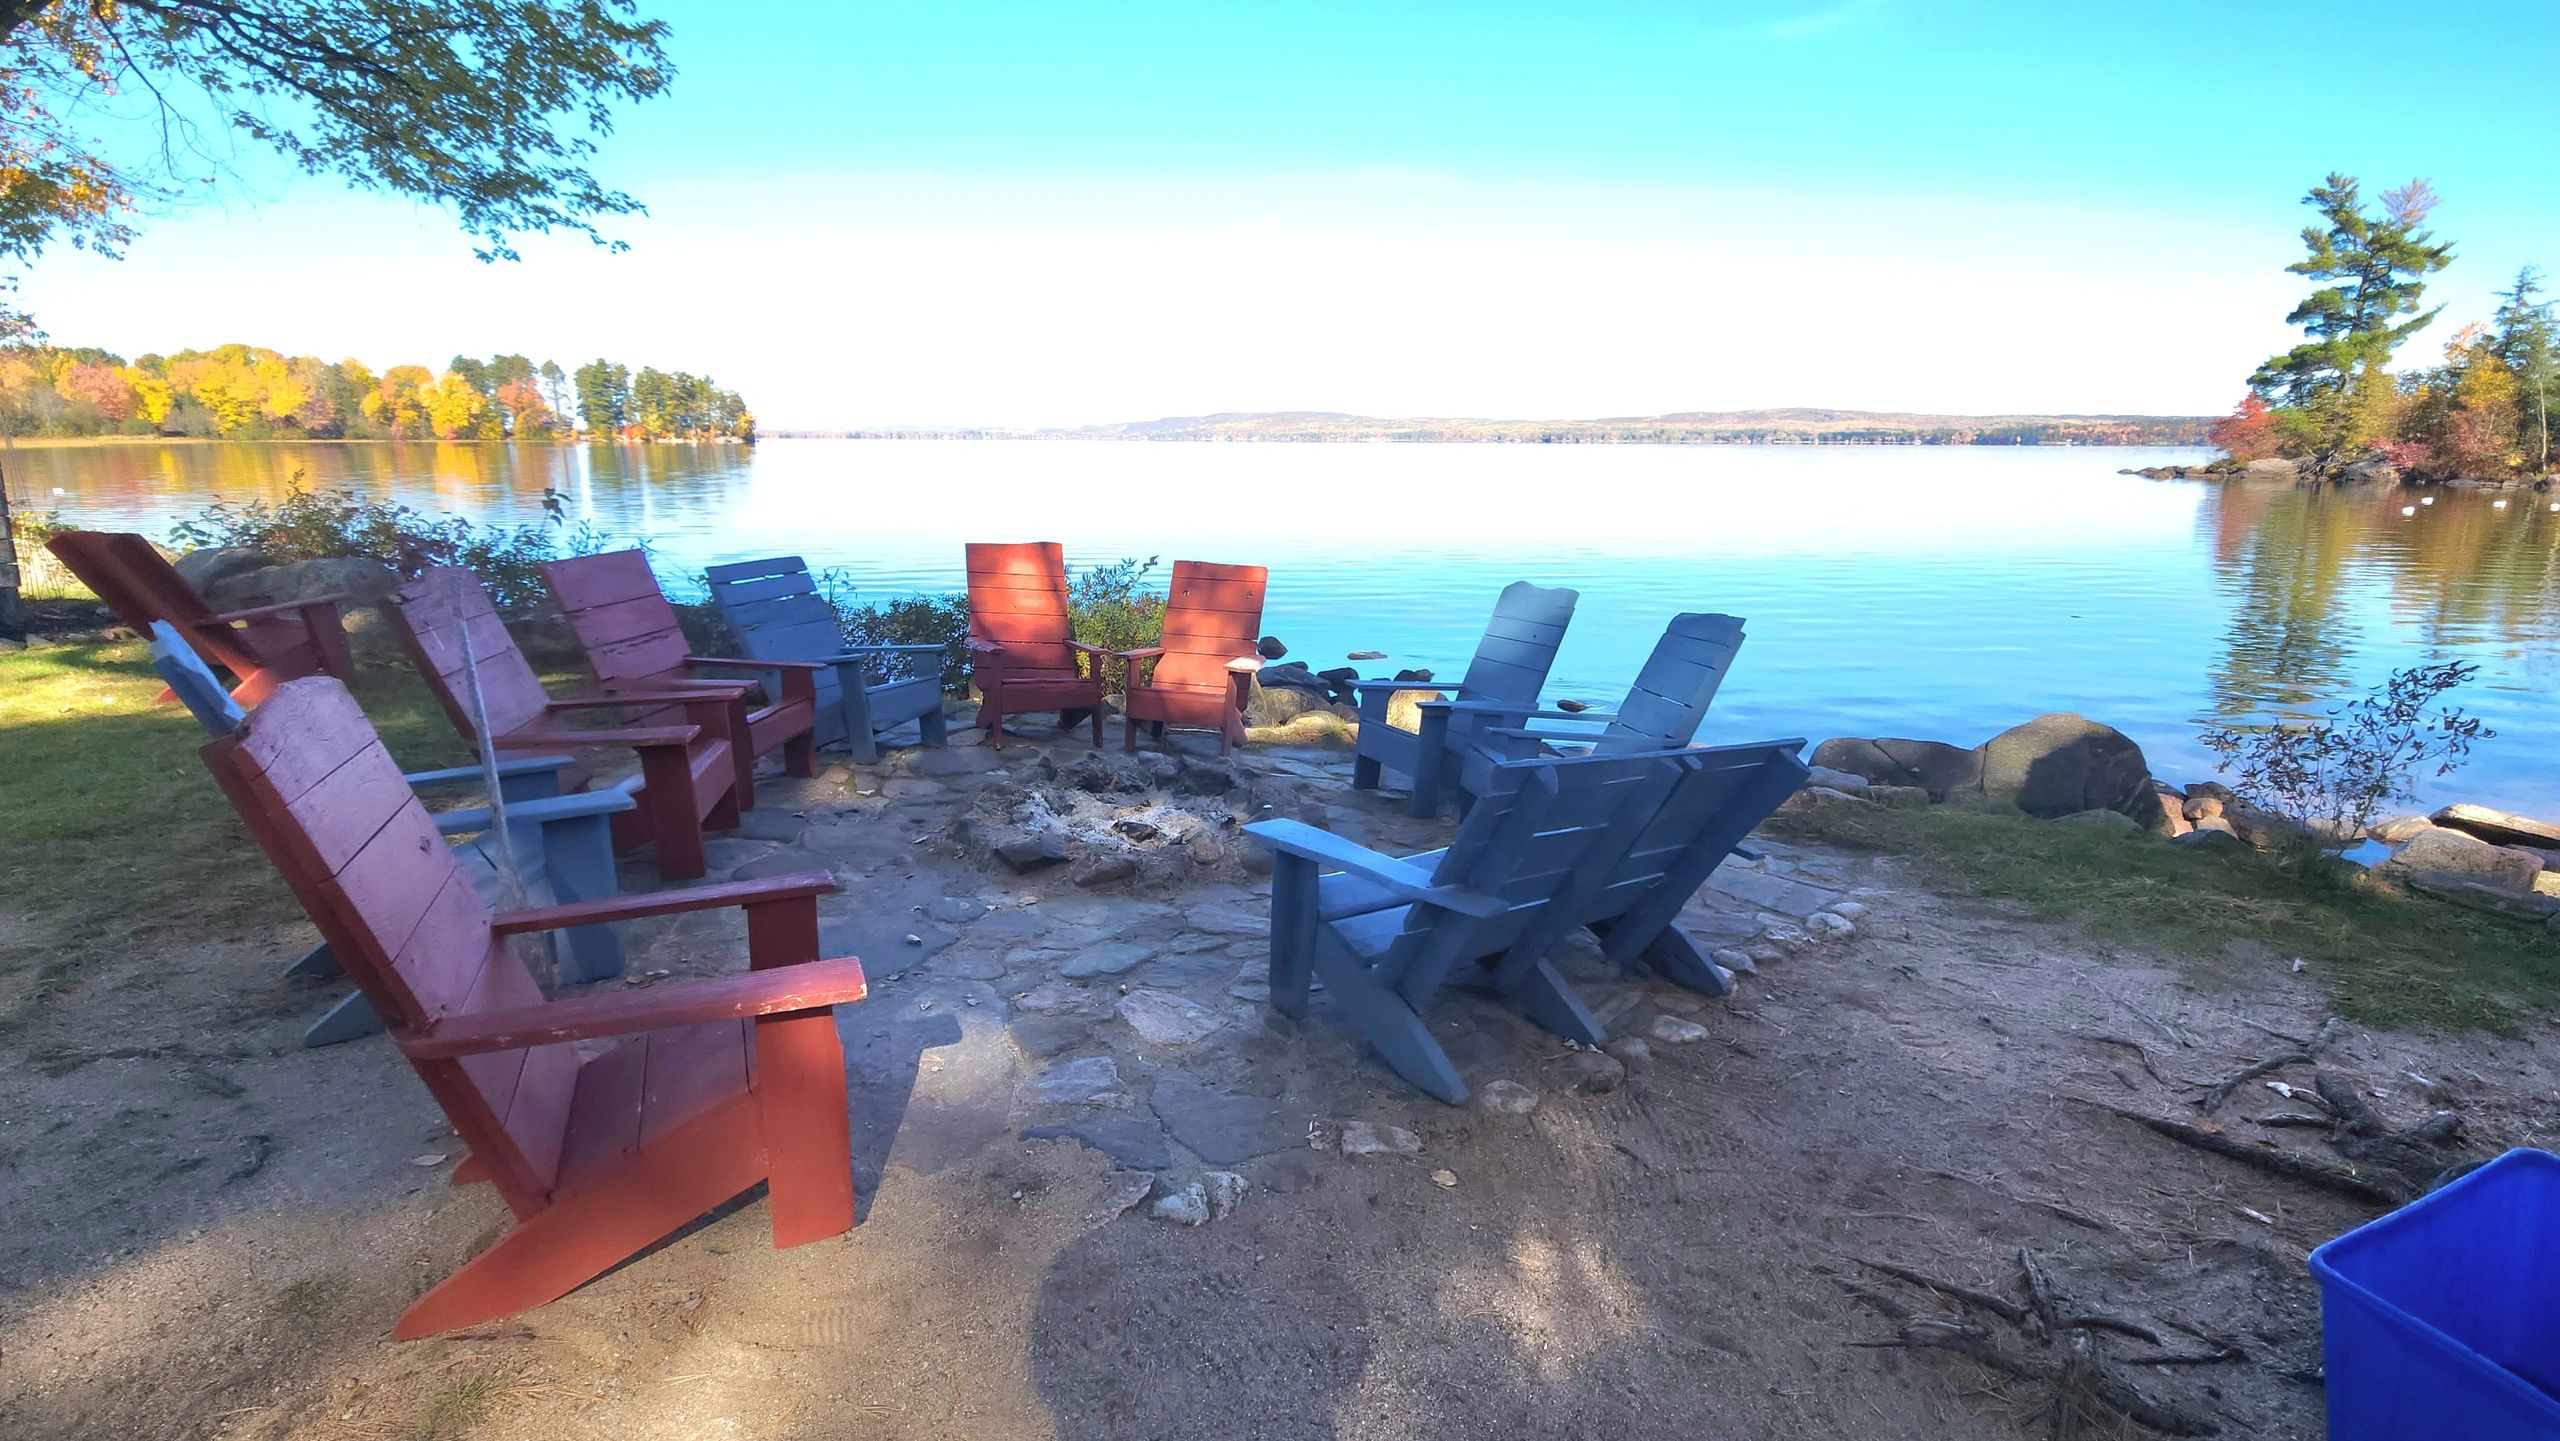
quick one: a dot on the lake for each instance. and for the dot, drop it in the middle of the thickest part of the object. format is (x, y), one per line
(1939, 592)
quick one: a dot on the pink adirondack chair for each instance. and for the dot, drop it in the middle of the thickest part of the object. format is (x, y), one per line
(605, 1121)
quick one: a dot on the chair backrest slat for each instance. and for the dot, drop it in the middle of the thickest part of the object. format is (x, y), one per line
(1678, 683)
(1519, 646)
(430, 614)
(614, 607)
(1018, 599)
(324, 798)
(1212, 615)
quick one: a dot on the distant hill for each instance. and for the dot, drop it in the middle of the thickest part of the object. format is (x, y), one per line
(1794, 425)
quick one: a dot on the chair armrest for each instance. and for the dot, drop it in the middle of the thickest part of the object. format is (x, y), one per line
(546, 808)
(735, 663)
(983, 647)
(1410, 882)
(1097, 652)
(1495, 707)
(711, 690)
(1245, 665)
(662, 903)
(1141, 653)
(543, 738)
(459, 775)
(1430, 685)
(852, 651)
(808, 986)
(280, 607)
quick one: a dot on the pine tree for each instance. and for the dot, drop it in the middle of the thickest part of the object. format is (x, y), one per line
(2378, 266)
(2526, 345)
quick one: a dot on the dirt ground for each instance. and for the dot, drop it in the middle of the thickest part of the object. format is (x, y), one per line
(211, 1229)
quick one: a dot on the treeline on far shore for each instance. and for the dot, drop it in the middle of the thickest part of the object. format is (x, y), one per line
(242, 392)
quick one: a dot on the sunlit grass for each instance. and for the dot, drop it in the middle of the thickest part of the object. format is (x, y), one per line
(2389, 960)
(115, 835)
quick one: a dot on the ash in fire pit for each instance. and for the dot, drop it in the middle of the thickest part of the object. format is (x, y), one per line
(1151, 818)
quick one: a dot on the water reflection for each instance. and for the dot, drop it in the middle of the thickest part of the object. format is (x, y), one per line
(1932, 591)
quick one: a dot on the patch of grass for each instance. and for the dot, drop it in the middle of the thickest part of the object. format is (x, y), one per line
(454, 1407)
(2390, 960)
(116, 838)
(1306, 728)
(305, 1300)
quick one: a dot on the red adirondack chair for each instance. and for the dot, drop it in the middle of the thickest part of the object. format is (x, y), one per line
(1204, 666)
(633, 643)
(688, 779)
(263, 646)
(708, 1087)
(1022, 642)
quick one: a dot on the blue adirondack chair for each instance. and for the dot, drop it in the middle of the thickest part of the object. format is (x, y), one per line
(777, 614)
(1510, 667)
(1661, 712)
(563, 843)
(1616, 843)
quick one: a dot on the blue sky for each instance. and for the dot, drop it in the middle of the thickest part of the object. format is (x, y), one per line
(1001, 213)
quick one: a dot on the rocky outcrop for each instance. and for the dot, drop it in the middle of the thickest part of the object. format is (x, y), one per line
(2440, 851)
(2499, 828)
(2054, 765)
(235, 583)
(1934, 766)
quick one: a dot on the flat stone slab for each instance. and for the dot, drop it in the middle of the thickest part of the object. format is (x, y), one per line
(1163, 1018)
(955, 910)
(1048, 1033)
(1115, 959)
(768, 824)
(1084, 1081)
(1223, 1127)
(880, 942)
(790, 860)
(953, 761)
(1131, 1140)
(1776, 893)
(1175, 972)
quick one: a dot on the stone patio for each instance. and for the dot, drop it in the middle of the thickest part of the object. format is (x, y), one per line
(1124, 1006)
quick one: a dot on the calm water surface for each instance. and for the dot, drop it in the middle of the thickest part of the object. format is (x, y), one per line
(1935, 592)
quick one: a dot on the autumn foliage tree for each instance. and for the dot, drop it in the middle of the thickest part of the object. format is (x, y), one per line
(2249, 432)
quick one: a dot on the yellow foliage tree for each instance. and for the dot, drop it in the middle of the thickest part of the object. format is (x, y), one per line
(455, 407)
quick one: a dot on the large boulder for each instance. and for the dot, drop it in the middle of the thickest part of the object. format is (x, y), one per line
(364, 583)
(2060, 764)
(1933, 766)
(2446, 852)
(207, 568)
(2499, 828)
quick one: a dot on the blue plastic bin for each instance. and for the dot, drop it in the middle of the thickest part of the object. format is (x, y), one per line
(2442, 1319)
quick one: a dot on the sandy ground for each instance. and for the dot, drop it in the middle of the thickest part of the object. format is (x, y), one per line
(210, 1229)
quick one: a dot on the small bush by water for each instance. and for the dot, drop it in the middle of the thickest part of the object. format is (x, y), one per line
(322, 524)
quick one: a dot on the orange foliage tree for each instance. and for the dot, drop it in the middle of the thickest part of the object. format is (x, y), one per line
(2248, 432)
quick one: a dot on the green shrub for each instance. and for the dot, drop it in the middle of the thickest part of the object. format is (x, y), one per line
(1110, 607)
(35, 527)
(1113, 610)
(313, 525)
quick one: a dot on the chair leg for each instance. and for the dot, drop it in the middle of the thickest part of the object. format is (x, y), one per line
(611, 1217)
(352, 1018)
(933, 728)
(666, 794)
(1364, 773)
(578, 859)
(1392, 1026)
(800, 754)
(1547, 998)
(742, 756)
(1097, 723)
(860, 739)
(800, 1108)
(1128, 733)
(1293, 933)
(1677, 958)
(317, 961)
